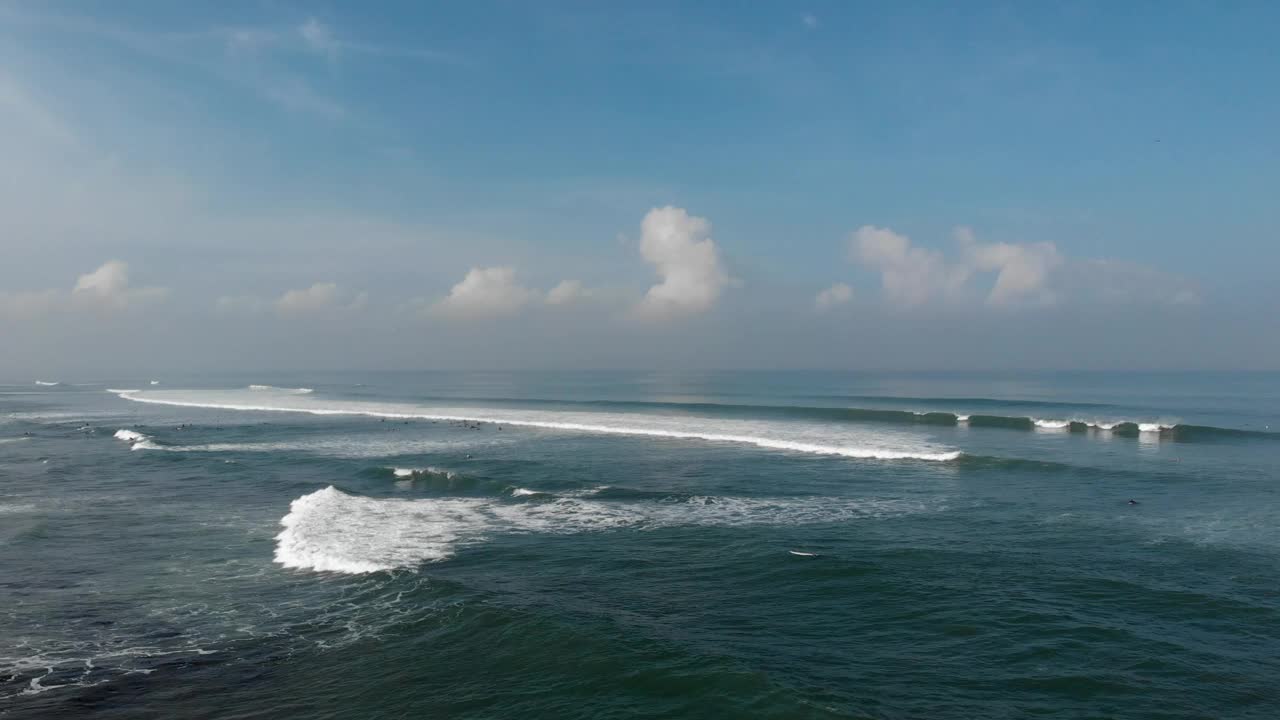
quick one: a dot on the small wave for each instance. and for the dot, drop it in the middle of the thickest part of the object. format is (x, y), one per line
(525, 492)
(291, 391)
(137, 440)
(420, 472)
(7, 441)
(331, 531)
(117, 391)
(47, 384)
(155, 382)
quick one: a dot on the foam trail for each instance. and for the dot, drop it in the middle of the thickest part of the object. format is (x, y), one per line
(331, 531)
(819, 439)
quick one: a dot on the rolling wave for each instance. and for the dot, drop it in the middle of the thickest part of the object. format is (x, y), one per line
(810, 438)
(1130, 427)
(332, 531)
(291, 391)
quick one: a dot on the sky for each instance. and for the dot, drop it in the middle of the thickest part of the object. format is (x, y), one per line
(405, 185)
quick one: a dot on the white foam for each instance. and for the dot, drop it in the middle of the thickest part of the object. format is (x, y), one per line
(1150, 427)
(118, 391)
(1050, 424)
(961, 419)
(47, 384)
(523, 492)
(429, 470)
(155, 382)
(130, 436)
(329, 530)
(802, 553)
(269, 388)
(802, 437)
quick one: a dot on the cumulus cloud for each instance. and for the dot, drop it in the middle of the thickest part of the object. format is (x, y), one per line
(687, 260)
(567, 293)
(1021, 274)
(485, 292)
(105, 289)
(320, 297)
(910, 275)
(837, 294)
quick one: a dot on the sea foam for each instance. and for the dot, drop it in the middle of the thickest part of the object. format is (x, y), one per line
(329, 530)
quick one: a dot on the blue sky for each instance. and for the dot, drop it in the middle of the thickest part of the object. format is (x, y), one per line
(807, 173)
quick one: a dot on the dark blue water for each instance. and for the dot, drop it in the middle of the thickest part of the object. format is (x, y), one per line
(596, 545)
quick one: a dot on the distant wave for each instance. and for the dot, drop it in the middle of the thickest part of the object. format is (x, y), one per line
(47, 384)
(795, 437)
(332, 531)
(422, 472)
(742, 414)
(117, 391)
(291, 391)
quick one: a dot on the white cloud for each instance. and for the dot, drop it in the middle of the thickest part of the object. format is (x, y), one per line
(810, 21)
(687, 260)
(567, 293)
(1021, 274)
(837, 294)
(910, 275)
(105, 289)
(485, 292)
(1022, 270)
(320, 297)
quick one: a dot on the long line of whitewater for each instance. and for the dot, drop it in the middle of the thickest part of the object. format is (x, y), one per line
(813, 438)
(1077, 421)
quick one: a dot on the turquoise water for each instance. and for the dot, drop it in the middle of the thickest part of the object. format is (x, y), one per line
(597, 545)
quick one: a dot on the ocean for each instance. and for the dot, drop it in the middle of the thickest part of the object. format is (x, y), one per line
(641, 545)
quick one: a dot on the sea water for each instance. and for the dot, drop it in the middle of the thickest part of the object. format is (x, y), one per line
(625, 544)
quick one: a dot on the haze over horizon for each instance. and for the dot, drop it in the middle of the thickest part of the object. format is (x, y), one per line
(501, 186)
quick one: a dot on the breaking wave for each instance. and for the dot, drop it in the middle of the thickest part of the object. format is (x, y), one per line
(291, 391)
(137, 440)
(47, 384)
(794, 436)
(332, 531)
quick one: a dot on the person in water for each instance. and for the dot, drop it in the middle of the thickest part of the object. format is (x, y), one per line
(1132, 501)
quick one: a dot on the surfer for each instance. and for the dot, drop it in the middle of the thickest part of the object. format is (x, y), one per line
(1132, 502)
